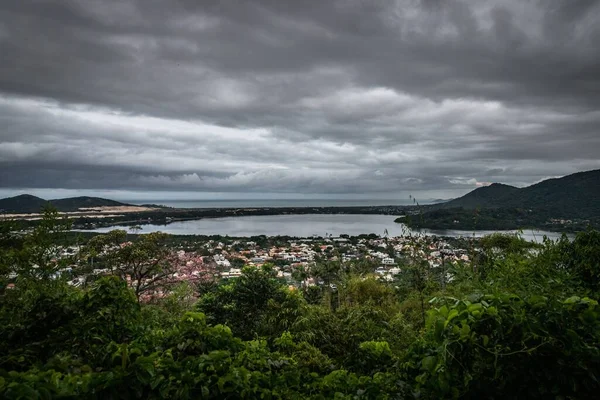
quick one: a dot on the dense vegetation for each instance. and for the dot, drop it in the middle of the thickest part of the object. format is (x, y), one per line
(520, 322)
(572, 196)
(496, 219)
(568, 204)
(26, 203)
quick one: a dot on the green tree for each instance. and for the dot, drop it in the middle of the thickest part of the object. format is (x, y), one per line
(505, 346)
(582, 256)
(40, 255)
(256, 303)
(148, 263)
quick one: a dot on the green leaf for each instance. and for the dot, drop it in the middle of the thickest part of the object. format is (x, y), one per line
(443, 311)
(464, 331)
(475, 307)
(440, 324)
(486, 340)
(429, 363)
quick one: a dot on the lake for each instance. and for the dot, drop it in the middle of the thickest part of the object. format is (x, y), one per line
(307, 225)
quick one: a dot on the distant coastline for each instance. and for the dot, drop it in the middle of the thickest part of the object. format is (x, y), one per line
(415, 217)
(567, 204)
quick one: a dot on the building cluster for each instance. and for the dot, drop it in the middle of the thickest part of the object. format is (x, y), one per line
(387, 255)
(196, 261)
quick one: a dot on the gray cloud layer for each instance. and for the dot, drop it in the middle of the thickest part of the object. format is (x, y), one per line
(297, 96)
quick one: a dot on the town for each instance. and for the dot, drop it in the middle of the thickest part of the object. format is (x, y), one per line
(296, 261)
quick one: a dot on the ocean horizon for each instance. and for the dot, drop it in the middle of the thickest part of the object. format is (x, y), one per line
(263, 203)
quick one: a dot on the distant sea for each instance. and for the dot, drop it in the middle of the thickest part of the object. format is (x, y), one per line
(261, 203)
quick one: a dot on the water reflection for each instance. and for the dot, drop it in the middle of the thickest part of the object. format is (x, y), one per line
(310, 224)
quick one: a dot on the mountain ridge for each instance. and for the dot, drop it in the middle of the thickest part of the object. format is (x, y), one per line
(485, 196)
(27, 203)
(575, 195)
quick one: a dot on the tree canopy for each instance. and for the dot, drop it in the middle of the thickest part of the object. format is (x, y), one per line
(519, 322)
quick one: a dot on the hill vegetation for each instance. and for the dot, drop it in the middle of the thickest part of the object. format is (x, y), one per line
(26, 203)
(487, 196)
(518, 322)
(75, 203)
(574, 197)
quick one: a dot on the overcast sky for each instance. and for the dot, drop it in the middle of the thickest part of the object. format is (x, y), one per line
(353, 98)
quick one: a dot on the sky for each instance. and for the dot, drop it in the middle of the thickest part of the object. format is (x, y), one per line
(284, 99)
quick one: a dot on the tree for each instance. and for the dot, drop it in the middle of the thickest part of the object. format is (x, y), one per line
(363, 266)
(509, 347)
(237, 262)
(328, 271)
(147, 264)
(256, 303)
(583, 257)
(40, 256)
(11, 244)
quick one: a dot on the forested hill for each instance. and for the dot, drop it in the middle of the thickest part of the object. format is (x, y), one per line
(572, 196)
(27, 203)
(75, 203)
(488, 196)
(24, 203)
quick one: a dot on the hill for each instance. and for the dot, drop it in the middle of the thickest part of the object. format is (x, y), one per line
(27, 203)
(75, 203)
(572, 196)
(487, 196)
(570, 203)
(24, 203)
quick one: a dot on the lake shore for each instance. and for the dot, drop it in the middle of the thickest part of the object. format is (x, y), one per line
(309, 225)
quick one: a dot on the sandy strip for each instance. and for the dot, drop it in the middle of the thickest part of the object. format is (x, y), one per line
(91, 212)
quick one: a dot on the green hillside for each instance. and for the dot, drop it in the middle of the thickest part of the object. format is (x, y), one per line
(27, 203)
(75, 203)
(572, 196)
(488, 196)
(570, 203)
(24, 203)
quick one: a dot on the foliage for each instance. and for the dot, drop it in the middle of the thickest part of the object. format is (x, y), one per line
(503, 218)
(572, 196)
(505, 243)
(40, 255)
(582, 257)
(505, 346)
(520, 322)
(256, 303)
(147, 263)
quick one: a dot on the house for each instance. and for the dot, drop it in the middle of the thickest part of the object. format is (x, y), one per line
(221, 261)
(340, 240)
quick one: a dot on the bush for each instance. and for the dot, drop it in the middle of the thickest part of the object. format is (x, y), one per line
(509, 347)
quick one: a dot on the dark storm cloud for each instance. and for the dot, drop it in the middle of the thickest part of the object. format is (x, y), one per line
(289, 96)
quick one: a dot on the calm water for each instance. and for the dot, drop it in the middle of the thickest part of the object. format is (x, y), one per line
(262, 203)
(305, 226)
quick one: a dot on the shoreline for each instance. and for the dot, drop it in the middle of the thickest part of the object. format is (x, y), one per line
(308, 226)
(90, 219)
